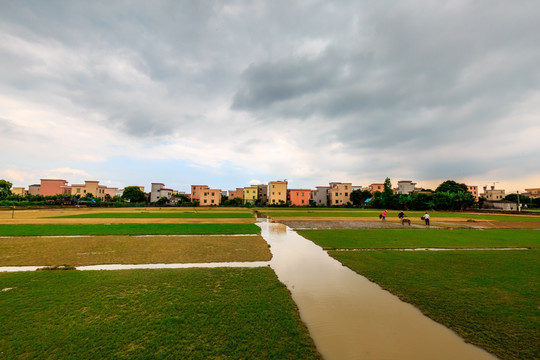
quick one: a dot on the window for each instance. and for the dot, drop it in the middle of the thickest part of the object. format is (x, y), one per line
(78, 190)
(204, 201)
(302, 201)
(212, 201)
(346, 194)
(346, 188)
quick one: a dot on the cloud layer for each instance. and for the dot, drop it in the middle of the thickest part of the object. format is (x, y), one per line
(314, 91)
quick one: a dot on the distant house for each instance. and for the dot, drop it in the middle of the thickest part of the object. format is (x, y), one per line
(473, 189)
(89, 187)
(159, 191)
(493, 194)
(533, 193)
(339, 194)
(251, 194)
(298, 197)
(51, 187)
(238, 193)
(196, 191)
(277, 192)
(500, 205)
(33, 189)
(262, 193)
(21, 191)
(210, 197)
(320, 195)
(376, 187)
(405, 187)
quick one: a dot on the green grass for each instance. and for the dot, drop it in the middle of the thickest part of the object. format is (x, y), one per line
(393, 214)
(407, 238)
(490, 298)
(157, 215)
(150, 314)
(126, 229)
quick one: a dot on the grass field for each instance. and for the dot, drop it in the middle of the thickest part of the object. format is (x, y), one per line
(490, 298)
(78, 251)
(157, 215)
(150, 314)
(408, 238)
(125, 229)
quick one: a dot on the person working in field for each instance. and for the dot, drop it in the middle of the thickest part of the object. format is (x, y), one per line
(426, 218)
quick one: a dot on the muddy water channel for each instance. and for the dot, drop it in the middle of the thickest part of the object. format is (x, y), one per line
(350, 317)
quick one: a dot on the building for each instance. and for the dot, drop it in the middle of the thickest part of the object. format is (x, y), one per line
(376, 187)
(493, 194)
(51, 187)
(210, 197)
(298, 197)
(238, 193)
(196, 191)
(33, 189)
(473, 189)
(250, 194)
(405, 187)
(320, 195)
(158, 191)
(89, 187)
(262, 193)
(500, 205)
(21, 191)
(111, 192)
(534, 193)
(339, 194)
(277, 192)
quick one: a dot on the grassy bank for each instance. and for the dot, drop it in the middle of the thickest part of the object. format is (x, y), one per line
(126, 229)
(78, 251)
(408, 238)
(490, 298)
(150, 314)
(157, 215)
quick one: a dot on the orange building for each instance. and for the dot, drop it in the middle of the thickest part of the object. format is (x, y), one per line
(298, 197)
(376, 187)
(238, 193)
(51, 187)
(473, 189)
(196, 191)
(209, 197)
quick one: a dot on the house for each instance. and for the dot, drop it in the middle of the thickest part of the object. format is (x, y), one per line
(111, 192)
(262, 193)
(33, 189)
(89, 187)
(533, 193)
(473, 189)
(250, 194)
(339, 194)
(277, 192)
(51, 187)
(158, 191)
(298, 197)
(320, 195)
(21, 191)
(210, 197)
(196, 191)
(376, 187)
(238, 193)
(405, 187)
(493, 194)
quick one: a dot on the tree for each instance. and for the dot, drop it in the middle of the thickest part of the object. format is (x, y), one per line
(133, 194)
(359, 196)
(451, 186)
(5, 189)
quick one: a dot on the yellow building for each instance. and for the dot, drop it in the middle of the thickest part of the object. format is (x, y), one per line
(89, 187)
(19, 191)
(533, 193)
(250, 194)
(339, 193)
(277, 192)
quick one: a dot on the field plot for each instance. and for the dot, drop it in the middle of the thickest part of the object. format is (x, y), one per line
(157, 314)
(154, 215)
(423, 238)
(490, 298)
(79, 251)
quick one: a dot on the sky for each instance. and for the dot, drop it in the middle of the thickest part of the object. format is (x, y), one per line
(232, 93)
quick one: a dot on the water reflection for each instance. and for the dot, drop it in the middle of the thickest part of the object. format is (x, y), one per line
(350, 317)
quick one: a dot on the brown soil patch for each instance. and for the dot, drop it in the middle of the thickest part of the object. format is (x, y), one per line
(92, 250)
(128, 221)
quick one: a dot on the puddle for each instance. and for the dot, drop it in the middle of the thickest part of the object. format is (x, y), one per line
(432, 249)
(350, 317)
(249, 264)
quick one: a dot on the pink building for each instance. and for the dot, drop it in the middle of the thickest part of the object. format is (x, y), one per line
(298, 197)
(376, 187)
(473, 189)
(196, 191)
(51, 187)
(238, 193)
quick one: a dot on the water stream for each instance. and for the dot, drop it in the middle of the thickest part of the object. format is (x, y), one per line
(350, 317)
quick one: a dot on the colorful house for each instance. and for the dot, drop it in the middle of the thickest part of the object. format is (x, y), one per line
(277, 192)
(89, 187)
(210, 197)
(298, 197)
(339, 194)
(51, 187)
(250, 194)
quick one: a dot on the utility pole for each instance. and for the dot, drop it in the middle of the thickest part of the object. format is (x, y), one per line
(519, 205)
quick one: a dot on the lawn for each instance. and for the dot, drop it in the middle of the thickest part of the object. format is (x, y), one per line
(157, 215)
(78, 251)
(125, 229)
(490, 298)
(407, 238)
(150, 314)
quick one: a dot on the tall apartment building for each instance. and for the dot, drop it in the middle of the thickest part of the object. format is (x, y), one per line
(250, 194)
(320, 195)
(339, 194)
(277, 192)
(298, 197)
